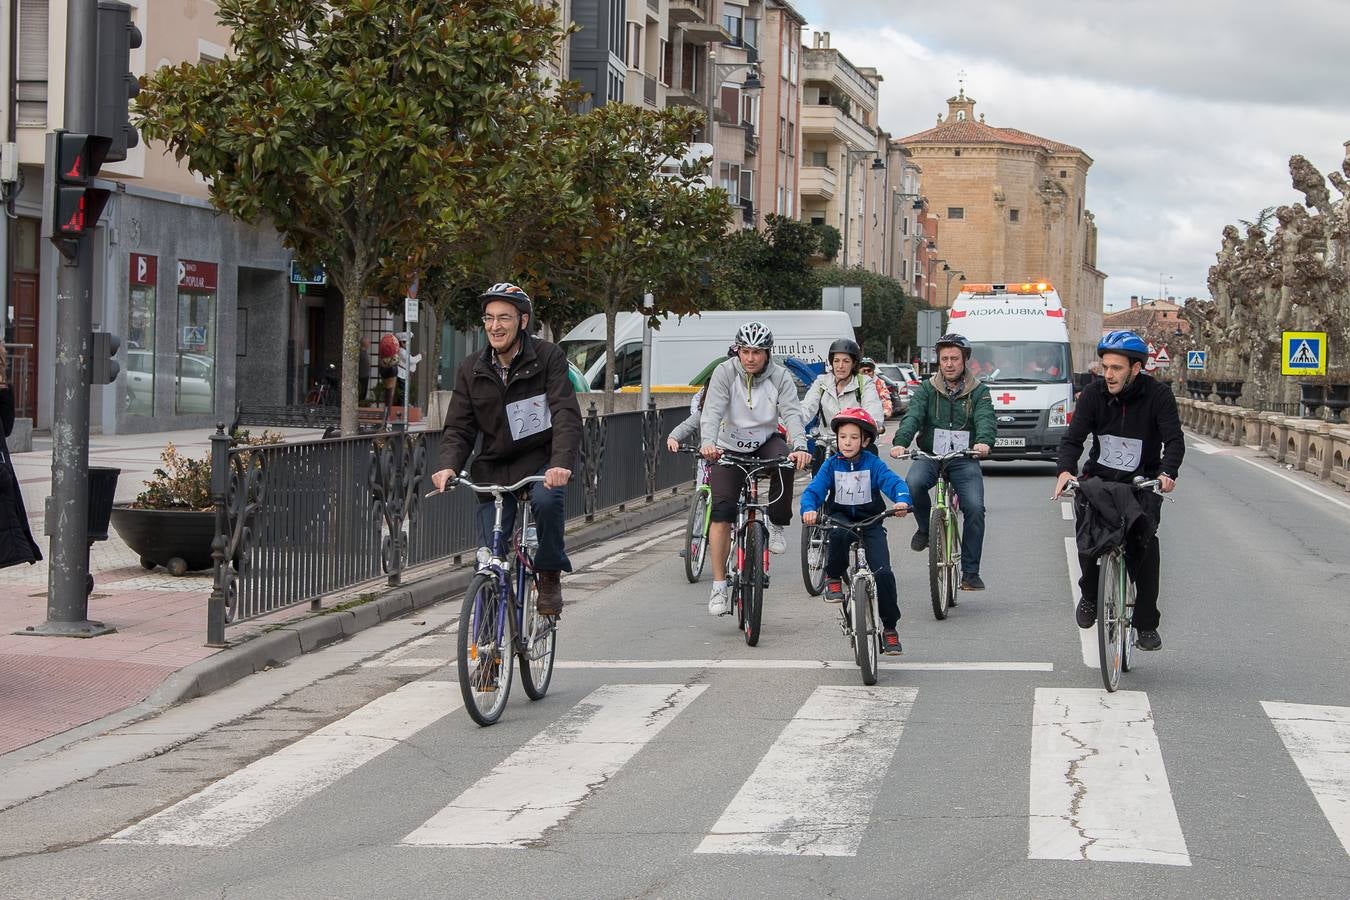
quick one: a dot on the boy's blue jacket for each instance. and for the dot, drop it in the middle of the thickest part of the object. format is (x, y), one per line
(884, 481)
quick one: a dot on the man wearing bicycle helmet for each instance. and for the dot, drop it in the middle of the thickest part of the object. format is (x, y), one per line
(853, 486)
(516, 397)
(950, 411)
(840, 387)
(747, 396)
(1135, 432)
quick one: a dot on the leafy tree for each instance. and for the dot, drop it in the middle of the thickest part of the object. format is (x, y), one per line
(888, 312)
(371, 134)
(769, 269)
(830, 241)
(646, 232)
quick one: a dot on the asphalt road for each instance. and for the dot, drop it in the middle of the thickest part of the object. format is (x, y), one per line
(671, 760)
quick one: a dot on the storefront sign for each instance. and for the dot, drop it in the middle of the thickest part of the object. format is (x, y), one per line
(196, 276)
(144, 269)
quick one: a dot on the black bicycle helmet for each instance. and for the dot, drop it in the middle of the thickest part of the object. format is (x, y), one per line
(954, 340)
(504, 290)
(844, 345)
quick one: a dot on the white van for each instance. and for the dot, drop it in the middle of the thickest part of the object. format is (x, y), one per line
(683, 346)
(1020, 346)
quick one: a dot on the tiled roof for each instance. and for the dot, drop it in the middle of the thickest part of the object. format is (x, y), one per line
(968, 132)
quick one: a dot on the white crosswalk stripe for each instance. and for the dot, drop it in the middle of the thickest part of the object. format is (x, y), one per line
(1099, 790)
(547, 779)
(1318, 739)
(240, 803)
(812, 794)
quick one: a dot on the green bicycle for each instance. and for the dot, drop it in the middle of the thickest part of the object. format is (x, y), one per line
(695, 550)
(944, 535)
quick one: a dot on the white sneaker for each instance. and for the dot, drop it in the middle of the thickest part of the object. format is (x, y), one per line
(719, 604)
(777, 540)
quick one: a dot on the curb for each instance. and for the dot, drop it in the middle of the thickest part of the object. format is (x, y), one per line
(289, 641)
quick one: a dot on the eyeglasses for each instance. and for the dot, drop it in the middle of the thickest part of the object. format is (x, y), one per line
(499, 320)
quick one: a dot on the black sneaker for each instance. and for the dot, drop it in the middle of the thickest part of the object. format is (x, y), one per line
(1148, 639)
(890, 642)
(919, 542)
(1086, 613)
(834, 591)
(971, 581)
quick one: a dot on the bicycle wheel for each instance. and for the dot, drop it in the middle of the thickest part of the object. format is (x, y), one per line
(752, 581)
(1110, 627)
(696, 536)
(813, 559)
(865, 628)
(1127, 656)
(536, 647)
(484, 661)
(939, 578)
(953, 548)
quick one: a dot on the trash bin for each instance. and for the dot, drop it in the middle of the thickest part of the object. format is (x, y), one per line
(102, 490)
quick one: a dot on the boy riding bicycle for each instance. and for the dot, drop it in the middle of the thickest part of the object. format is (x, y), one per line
(852, 486)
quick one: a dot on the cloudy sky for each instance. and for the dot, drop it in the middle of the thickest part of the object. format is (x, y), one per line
(1190, 109)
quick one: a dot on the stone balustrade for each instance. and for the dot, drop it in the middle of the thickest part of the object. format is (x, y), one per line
(1322, 449)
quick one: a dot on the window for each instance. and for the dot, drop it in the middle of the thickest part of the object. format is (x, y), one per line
(817, 218)
(730, 101)
(1014, 215)
(792, 139)
(820, 159)
(733, 19)
(667, 63)
(30, 90)
(747, 186)
(634, 45)
(731, 182)
(791, 205)
(779, 208)
(960, 115)
(616, 33)
(956, 152)
(793, 54)
(956, 212)
(1063, 173)
(904, 224)
(140, 377)
(194, 374)
(752, 33)
(784, 62)
(782, 133)
(750, 109)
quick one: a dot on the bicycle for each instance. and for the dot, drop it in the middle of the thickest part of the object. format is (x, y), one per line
(748, 556)
(944, 535)
(813, 539)
(858, 613)
(499, 617)
(1116, 634)
(695, 550)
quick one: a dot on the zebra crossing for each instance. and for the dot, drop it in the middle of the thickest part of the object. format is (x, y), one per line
(1097, 786)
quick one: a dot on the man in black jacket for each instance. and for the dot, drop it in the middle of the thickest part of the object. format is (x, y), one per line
(1136, 432)
(517, 398)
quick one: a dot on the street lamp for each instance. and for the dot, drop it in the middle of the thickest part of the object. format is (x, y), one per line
(896, 197)
(751, 87)
(947, 296)
(878, 165)
(1161, 294)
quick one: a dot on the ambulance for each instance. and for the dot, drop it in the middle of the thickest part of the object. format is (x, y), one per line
(1020, 347)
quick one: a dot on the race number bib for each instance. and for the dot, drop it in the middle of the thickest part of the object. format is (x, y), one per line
(853, 488)
(745, 440)
(1119, 453)
(946, 440)
(529, 416)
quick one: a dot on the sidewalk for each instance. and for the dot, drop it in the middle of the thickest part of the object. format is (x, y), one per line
(49, 686)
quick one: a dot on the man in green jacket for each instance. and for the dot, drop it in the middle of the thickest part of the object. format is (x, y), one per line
(951, 411)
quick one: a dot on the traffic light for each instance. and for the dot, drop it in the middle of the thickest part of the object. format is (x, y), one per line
(114, 85)
(74, 158)
(103, 349)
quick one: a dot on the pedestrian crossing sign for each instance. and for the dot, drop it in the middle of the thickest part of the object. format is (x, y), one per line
(1195, 359)
(1303, 353)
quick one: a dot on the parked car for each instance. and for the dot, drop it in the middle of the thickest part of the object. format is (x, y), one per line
(905, 379)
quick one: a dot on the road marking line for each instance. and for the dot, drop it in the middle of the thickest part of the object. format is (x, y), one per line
(1087, 637)
(1203, 447)
(640, 547)
(536, 788)
(812, 794)
(1318, 740)
(800, 664)
(223, 812)
(1295, 482)
(1066, 510)
(1099, 790)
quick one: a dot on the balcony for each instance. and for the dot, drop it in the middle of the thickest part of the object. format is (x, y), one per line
(818, 181)
(751, 139)
(688, 11)
(834, 123)
(704, 33)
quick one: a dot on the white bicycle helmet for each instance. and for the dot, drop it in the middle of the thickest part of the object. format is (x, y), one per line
(754, 334)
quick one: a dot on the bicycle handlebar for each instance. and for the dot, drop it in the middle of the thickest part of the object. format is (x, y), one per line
(1140, 483)
(463, 480)
(916, 453)
(825, 521)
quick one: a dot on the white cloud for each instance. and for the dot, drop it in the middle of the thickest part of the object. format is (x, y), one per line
(1190, 111)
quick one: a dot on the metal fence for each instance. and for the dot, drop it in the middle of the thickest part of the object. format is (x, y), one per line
(298, 521)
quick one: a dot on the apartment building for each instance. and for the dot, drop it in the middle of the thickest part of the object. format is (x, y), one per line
(197, 298)
(777, 184)
(842, 168)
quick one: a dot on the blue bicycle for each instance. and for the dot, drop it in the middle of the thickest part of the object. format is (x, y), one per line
(499, 618)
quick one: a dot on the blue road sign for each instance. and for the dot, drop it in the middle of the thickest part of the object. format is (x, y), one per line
(1195, 359)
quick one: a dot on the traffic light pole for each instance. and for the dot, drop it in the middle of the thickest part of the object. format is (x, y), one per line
(68, 506)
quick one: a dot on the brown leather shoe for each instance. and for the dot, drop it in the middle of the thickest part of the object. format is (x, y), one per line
(549, 601)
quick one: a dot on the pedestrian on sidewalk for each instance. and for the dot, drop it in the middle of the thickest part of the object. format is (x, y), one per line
(16, 540)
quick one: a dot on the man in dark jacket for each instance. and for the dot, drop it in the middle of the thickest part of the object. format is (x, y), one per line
(517, 398)
(1135, 432)
(951, 411)
(16, 539)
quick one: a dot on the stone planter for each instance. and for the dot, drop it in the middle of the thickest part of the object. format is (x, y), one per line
(179, 540)
(1337, 399)
(1312, 395)
(1200, 388)
(1228, 391)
